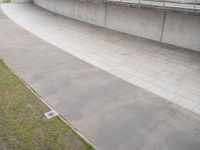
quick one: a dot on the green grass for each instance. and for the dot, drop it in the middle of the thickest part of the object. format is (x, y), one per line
(22, 123)
(5, 1)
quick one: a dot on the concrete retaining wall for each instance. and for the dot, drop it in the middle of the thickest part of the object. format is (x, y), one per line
(172, 28)
(139, 22)
(64, 7)
(47, 4)
(90, 12)
(182, 30)
(21, 1)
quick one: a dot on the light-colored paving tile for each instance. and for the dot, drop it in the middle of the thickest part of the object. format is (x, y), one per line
(190, 94)
(185, 102)
(166, 85)
(139, 82)
(162, 92)
(166, 71)
(144, 76)
(197, 109)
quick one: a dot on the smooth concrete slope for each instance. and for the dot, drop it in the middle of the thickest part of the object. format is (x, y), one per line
(111, 113)
(170, 72)
(168, 27)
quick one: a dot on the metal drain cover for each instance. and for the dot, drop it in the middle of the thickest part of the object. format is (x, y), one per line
(50, 114)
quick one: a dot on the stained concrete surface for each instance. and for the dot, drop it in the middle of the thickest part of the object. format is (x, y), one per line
(110, 112)
(172, 73)
(152, 24)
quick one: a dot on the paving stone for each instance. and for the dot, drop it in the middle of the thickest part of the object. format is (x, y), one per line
(185, 102)
(162, 92)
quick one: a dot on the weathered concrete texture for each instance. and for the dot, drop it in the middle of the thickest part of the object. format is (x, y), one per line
(170, 5)
(139, 22)
(111, 113)
(89, 12)
(21, 1)
(182, 30)
(47, 4)
(64, 7)
(173, 28)
(170, 72)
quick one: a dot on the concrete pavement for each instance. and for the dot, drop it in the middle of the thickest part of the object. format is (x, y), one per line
(110, 112)
(172, 73)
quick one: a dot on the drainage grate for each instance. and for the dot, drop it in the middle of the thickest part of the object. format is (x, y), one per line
(50, 114)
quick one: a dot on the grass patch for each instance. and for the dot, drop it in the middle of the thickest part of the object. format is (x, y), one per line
(5, 1)
(22, 123)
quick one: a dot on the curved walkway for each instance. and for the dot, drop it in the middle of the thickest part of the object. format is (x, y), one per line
(169, 72)
(110, 112)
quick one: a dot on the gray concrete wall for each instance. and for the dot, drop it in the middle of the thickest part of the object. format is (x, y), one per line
(47, 4)
(64, 7)
(172, 28)
(139, 22)
(21, 1)
(90, 12)
(182, 30)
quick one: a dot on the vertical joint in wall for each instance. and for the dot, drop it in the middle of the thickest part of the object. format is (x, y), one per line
(105, 14)
(73, 9)
(163, 25)
(54, 6)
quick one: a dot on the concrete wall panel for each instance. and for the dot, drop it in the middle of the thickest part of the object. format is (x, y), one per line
(178, 29)
(139, 22)
(89, 12)
(182, 30)
(64, 7)
(147, 23)
(21, 1)
(119, 18)
(47, 4)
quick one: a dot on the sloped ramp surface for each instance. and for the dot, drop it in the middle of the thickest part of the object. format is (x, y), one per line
(111, 113)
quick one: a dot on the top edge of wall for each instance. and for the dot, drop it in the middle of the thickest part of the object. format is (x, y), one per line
(145, 6)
